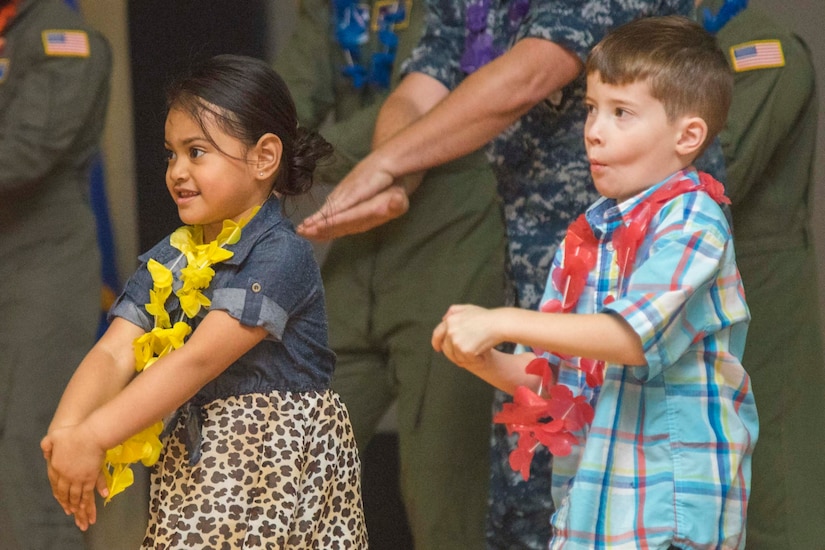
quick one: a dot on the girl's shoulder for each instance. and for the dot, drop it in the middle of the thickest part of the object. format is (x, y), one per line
(162, 252)
(271, 236)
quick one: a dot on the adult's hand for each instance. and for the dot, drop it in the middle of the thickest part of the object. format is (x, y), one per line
(333, 220)
(422, 124)
(366, 180)
(330, 223)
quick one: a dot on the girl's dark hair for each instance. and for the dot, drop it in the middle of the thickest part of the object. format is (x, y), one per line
(247, 99)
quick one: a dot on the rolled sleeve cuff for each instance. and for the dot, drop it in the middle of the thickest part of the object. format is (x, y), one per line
(253, 309)
(131, 312)
(656, 356)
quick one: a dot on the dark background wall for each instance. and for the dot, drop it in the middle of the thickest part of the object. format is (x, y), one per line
(165, 37)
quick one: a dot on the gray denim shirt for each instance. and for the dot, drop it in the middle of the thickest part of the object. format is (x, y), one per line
(271, 281)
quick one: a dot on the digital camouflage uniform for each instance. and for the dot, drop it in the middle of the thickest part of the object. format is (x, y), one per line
(53, 98)
(770, 144)
(544, 179)
(388, 288)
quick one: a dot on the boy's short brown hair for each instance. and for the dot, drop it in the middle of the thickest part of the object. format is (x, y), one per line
(681, 62)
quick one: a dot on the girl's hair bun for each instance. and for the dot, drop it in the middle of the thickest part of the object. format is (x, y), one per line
(308, 148)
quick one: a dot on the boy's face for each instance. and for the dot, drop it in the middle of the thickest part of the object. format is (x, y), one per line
(630, 143)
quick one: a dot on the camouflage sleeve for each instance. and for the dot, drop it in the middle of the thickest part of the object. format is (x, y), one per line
(439, 50)
(578, 25)
(306, 62)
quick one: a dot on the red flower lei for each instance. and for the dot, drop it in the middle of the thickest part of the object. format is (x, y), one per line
(551, 420)
(7, 13)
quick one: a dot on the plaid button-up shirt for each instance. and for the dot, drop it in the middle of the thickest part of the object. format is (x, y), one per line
(667, 457)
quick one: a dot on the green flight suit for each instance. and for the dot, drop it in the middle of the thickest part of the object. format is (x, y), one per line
(53, 97)
(388, 288)
(769, 145)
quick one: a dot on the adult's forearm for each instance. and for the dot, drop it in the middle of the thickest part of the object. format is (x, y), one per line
(423, 125)
(479, 109)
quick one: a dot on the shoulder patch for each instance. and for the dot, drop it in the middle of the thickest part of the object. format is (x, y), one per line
(759, 54)
(384, 8)
(66, 43)
(4, 69)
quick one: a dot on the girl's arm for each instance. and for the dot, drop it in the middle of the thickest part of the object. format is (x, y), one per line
(219, 341)
(467, 333)
(102, 373)
(105, 370)
(77, 451)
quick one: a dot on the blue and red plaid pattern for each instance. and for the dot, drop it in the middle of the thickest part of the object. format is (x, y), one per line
(667, 457)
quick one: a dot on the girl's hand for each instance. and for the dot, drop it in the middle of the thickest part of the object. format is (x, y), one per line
(74, 461)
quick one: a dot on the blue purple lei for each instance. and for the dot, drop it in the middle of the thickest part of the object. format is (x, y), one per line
(478, 43)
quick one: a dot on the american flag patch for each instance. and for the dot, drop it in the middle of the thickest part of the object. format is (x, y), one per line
(762, 54)
(68, 43)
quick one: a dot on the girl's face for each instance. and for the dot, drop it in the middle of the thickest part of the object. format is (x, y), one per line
(209, 185)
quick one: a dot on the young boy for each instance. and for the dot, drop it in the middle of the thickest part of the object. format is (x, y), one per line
(644, 296)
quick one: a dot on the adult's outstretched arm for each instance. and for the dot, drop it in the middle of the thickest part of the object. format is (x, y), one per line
(423, 125)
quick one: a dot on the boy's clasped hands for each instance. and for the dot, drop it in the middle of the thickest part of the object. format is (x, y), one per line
(466, 334)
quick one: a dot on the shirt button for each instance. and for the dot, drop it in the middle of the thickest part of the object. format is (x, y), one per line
(256, 287)
(609, 246)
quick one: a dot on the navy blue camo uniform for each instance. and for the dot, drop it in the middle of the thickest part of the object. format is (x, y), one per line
(544, 180)
(264, 453)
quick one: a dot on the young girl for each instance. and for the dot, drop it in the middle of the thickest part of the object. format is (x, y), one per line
(257, 451)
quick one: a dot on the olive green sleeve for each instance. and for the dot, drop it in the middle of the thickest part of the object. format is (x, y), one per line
(352, 139)
(50, 110)
(766, 106)
(306, 64)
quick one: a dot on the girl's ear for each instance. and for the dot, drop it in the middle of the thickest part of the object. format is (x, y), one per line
(692, 136)
(266, 156)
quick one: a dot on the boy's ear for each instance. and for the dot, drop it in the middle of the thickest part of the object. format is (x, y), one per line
(267, 156)
(692, 136)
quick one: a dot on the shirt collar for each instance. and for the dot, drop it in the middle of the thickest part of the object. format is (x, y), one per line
(266, 218)
(605, 214)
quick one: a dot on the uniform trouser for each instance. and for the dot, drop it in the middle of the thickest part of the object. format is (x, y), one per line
(386, 291)
(49, 313)
(784, 357)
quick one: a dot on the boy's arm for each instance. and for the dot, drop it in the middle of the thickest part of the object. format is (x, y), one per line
(467, 333)
(505, 371)
(601, 336)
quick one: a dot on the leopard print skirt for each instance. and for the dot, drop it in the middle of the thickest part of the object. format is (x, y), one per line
(276, 471)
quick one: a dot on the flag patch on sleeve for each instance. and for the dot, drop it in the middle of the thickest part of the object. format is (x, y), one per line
(760, 54)
(66, 43)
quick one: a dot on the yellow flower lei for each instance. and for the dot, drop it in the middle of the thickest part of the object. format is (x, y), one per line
(145, 446)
